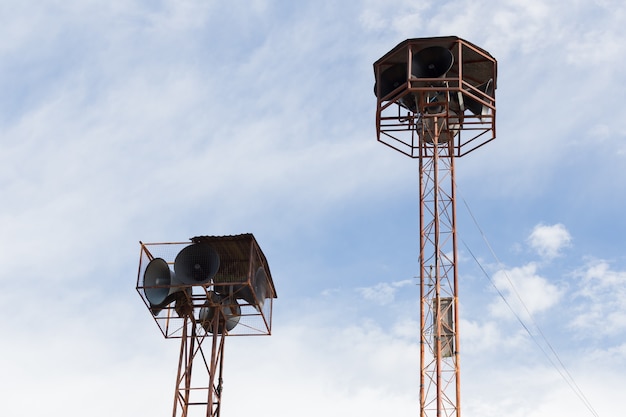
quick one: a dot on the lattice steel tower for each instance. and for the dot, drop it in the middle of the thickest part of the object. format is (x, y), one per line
(435, 102)
(220, 286)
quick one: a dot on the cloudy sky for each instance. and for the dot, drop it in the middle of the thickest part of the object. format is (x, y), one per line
(158, 121)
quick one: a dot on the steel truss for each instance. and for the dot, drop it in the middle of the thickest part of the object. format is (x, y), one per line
(193, 398)
(439, 358)
(436, 101)
(199, 316)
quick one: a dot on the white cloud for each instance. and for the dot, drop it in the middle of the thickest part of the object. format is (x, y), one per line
(601, 295)
(359, 367)
(383, 293)
(525, 291)
(549, 241)
(486, 337)
(127, 120)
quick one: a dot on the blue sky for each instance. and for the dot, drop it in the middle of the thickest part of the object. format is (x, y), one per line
(159, 121)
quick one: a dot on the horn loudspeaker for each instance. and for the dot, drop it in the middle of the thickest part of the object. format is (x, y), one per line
(160, 285)
(432, 62)
(219, 314)
(196, 264)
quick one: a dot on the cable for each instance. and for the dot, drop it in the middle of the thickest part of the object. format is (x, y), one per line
(565, 374)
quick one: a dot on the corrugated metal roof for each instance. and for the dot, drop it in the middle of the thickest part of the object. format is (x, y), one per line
(478, 64)
(233, 248)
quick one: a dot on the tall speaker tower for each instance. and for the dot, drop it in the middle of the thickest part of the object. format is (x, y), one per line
(200, 292)
(436, 102)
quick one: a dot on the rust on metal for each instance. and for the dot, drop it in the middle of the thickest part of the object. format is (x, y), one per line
(237, 300)
(405, 111)
(240, 257)
(436, 102)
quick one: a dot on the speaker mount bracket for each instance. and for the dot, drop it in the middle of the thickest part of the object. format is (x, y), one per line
(420, 76)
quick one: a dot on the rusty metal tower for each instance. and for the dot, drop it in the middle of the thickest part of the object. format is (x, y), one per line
(219, 286)
(436, 102)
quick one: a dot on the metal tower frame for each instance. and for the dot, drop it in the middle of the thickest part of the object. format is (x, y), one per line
(436, 102)
(439, 336)
(204, 313)
(204, 396)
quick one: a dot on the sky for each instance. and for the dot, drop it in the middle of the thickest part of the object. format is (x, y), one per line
(157, 121)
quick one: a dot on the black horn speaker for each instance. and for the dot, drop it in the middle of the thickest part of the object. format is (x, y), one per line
(391, 78)
(219, 314)
(432, 62)
(196, 264)
(475, 106)
(161, 286)
(253, 294)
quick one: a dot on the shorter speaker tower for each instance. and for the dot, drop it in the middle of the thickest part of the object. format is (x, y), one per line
(206, 289)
